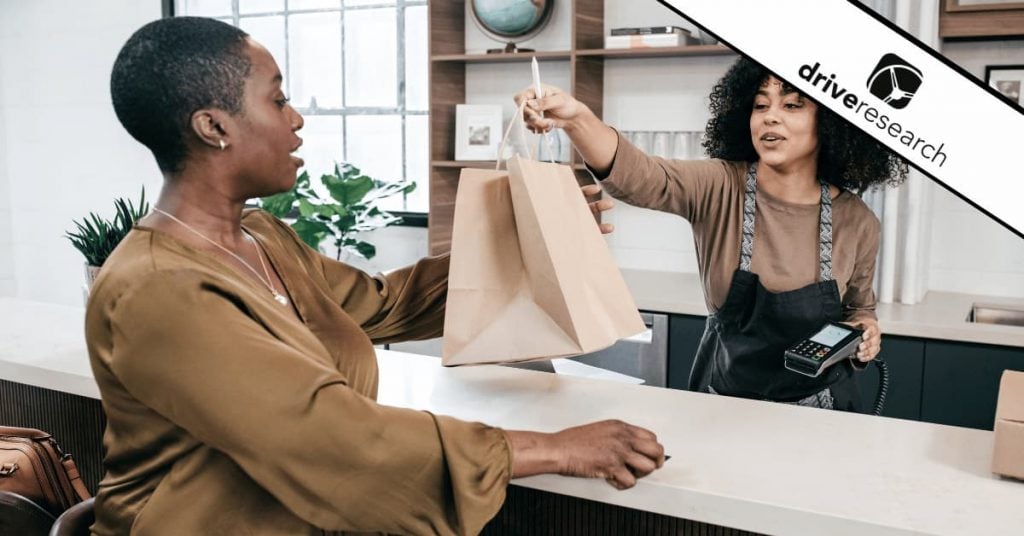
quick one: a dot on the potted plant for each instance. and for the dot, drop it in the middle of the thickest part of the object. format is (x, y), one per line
(350, 207)
(97, 237)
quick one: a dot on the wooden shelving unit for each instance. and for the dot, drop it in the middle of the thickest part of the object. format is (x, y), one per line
(665, 52)
(503, 58)
(448, 61)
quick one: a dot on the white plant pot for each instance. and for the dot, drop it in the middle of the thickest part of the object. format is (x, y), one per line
(91, 272)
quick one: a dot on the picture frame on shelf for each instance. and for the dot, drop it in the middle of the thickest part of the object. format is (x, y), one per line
(983, 5)
(981, 19)
(477, 131)
(1008, 80)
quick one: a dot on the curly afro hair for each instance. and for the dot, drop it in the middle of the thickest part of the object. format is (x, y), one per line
(847, 157)
(170, 68)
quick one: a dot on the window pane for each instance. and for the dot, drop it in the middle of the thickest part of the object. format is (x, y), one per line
(314, 42)
(260, 6)
(375, 147)
(416, 59)
(371, 58)
(350, 3)
(322, 144)
(314, 4)
(269, 32)
(417, 166)
(205, 8)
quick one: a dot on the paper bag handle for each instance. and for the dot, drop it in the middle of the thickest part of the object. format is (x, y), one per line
(518, 118)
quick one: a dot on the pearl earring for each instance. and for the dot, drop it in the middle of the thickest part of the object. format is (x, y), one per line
(223, 145)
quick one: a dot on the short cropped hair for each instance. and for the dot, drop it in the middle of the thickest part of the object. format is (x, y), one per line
(170, 68)
(847, 157)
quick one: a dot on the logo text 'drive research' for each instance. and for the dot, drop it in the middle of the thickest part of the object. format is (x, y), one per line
(894, 82)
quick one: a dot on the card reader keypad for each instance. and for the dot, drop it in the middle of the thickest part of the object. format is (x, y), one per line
(812, 350)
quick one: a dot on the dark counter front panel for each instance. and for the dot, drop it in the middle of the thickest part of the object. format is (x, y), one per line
(76, 422)
(961, 382)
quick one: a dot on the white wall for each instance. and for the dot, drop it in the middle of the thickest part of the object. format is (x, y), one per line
(970, 252)
(66, 154)
(6, 262)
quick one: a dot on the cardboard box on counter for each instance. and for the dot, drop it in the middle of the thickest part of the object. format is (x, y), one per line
(1008, 453)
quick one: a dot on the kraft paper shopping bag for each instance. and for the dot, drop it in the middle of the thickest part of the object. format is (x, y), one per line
(531, 276)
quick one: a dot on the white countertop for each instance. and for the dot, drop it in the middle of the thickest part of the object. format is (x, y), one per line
(941, 315)
(43, 345)
(757, 466)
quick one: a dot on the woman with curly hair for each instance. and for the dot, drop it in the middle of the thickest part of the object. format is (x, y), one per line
(787, 168)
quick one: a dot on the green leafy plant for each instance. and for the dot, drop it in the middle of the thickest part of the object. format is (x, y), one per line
(97, 237)
(351, 207)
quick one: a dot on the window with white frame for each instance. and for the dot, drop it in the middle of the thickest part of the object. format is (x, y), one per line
(357, 72)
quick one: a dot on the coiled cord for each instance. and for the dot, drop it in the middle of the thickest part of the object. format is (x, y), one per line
(883, 385)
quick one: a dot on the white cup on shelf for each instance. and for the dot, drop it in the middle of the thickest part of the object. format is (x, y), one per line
(696, 139)
(661, 144)
(642, 140)
(682, 146)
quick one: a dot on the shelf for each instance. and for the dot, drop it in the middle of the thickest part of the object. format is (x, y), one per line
(655, 52)
(563, 55)
(484, 164)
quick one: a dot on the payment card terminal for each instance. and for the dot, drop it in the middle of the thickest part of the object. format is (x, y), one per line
(831, 344)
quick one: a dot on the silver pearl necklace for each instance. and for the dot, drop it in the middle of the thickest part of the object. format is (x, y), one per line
(280, 298)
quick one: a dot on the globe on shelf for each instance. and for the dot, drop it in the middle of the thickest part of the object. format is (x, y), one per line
(511, 21)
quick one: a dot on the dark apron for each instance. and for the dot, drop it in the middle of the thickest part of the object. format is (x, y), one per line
(741, 352)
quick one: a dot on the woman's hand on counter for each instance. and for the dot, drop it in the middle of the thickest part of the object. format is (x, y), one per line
(871, 342)
(613, 450)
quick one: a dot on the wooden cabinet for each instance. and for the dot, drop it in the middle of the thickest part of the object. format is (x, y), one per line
(448, 61)
(904, 357)
(961, 382)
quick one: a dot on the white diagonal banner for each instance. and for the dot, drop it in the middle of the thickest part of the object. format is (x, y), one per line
(904, 94)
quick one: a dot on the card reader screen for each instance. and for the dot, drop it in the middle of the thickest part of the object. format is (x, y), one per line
(830, 335)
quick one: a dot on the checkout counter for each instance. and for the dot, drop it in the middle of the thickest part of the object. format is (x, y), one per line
(739, 465)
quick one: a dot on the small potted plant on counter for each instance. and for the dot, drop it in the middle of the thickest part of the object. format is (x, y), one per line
(351, 207)
(97, 237)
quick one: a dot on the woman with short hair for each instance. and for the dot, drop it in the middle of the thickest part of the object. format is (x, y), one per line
(236, 364)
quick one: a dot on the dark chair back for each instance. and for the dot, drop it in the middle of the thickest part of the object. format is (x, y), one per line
(75, 521)
(21, 516)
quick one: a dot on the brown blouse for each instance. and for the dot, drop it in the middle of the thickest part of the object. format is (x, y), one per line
(228, 415)
(709, 194)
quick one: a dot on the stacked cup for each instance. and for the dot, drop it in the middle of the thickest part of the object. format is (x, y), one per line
(679, 145)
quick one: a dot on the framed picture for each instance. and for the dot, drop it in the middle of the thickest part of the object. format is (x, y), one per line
(477, 131)
(990, 19)
(1008, 80)
(983, 5)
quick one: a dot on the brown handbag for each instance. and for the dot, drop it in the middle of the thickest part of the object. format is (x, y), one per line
(32, 465)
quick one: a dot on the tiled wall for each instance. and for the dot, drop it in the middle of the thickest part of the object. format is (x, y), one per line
(969, 251)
